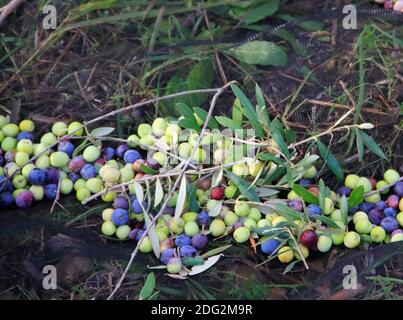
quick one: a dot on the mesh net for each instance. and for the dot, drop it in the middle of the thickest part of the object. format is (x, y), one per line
(307, 94)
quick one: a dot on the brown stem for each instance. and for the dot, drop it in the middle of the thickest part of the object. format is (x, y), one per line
(171, 192)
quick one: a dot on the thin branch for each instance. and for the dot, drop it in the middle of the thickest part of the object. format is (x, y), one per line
(383, 188)
(8, 9)
(110, 114)
(171, 192)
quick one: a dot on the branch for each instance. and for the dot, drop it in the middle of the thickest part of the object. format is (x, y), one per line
(110, 114)
(383, 188)
(8, 9)
(171, 192)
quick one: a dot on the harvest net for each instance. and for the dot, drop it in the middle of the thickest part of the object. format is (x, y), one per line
(309, 95)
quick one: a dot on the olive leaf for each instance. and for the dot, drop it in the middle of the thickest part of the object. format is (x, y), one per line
(356, 197)
(101, 132)
(306, 195)
(152, 235)
(327, 221)
(248, 110)
(344, 209)
(215, 251)
(193, 261)
(159, 193)
(215, 211)
(139, 191)
(202, 114)
(228, 123)
(260, 52)
(373, 146)
(360, 144)
(244, 187)
(180, 202)
(206, 265)
(148, 287)
(330, 160)
(291, 266)
(147, 170)
(237, 112)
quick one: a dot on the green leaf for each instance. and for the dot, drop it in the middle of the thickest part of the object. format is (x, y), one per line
(262, 112)
(278, 172)
(290, 135)
(344, 209)
(180, 202)
(365, 238)
(185, 111)
(360, 144)
(101, 132)
(266, 192)
(202, 114)
(307, 161)
(189, 124)
(248, 110)
(322, 194)
(147, 170)
(175, 84)
(193, 261)
(291, 266)
(148, 287)
(306, 195)
(193, 203)
(270, 157)
(277, 126)
(356, 197)
(80, 147)
(286, 211)
(278, 138)
(269, 231)
(201, 76)
(256, 12)
(373, 146)
(261, 52)
(216, 251)
(244, 187)
(228, 123)
(327, 221)
(237, 112)
(330, 160)
(295, 44)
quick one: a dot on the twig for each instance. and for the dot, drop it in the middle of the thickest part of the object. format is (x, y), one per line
(347, 127)
(171, 192)
(59, 184)
(110, 114)
(342, 106)
(170, 173)
(383, 188)
(8, 9)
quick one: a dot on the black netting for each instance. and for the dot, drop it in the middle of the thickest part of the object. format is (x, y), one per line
(34, 238)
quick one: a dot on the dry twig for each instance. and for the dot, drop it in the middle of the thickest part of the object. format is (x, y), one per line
(171, 192)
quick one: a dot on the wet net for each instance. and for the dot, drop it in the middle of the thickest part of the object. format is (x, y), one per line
(310, 95)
